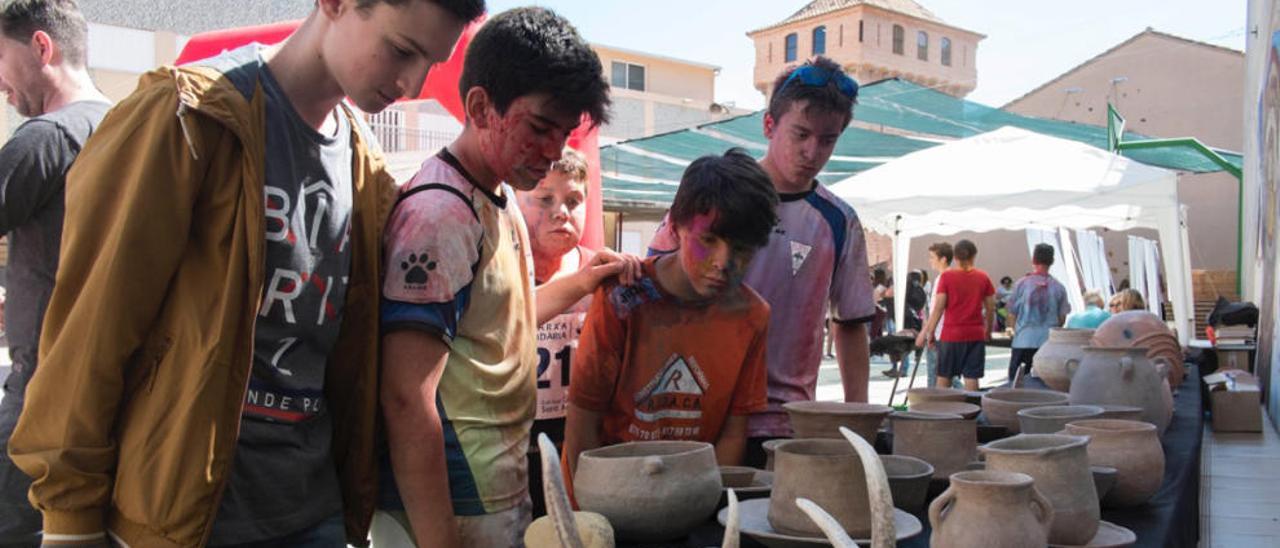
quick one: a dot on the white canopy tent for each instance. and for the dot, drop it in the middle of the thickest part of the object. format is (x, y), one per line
(1013, 179)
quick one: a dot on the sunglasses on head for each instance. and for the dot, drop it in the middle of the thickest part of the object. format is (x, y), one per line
(814, 76)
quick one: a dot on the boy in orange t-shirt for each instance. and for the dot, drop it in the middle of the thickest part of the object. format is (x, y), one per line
(680, 355)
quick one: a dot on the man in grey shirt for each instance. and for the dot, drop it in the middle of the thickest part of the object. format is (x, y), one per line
(44, 76)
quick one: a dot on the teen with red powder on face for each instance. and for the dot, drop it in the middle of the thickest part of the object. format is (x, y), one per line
(459, 314)
(555, 212)
(680, 355)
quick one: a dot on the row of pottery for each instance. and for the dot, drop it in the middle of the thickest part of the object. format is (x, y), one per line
(1062, 353)
(1115, 365)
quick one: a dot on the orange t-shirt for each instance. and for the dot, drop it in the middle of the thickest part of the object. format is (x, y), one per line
(660, 369)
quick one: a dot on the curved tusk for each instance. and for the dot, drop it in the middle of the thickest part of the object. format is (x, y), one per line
(883, 534)
(556, 495)
(830, 527)
(731, 525)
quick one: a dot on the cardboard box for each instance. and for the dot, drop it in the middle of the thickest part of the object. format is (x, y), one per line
(1235, 357)
(1235, 401)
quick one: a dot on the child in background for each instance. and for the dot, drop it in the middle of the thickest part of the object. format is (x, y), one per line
(555, 212)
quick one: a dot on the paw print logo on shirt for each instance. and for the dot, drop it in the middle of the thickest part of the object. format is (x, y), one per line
(416, 268)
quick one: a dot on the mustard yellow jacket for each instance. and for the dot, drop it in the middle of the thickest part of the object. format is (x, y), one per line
(131, 420)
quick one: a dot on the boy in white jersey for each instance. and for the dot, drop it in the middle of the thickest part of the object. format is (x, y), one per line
(816, 258)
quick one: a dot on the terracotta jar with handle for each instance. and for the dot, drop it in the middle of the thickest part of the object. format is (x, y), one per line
(1124, 376)
(1060, 466)
(983, 509)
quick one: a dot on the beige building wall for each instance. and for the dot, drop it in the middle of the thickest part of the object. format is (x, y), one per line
(665, 76)
(860, 38)
(1165, 86)
(677, 94)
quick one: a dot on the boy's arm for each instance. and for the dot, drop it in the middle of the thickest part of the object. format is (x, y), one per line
(989, 315)
(926, 334)
(412, 362)
(854, 358)
(581, 433)
(732, 444)
(556, 296)
(129, 207)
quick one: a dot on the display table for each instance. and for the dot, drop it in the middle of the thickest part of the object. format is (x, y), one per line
(1170, 519)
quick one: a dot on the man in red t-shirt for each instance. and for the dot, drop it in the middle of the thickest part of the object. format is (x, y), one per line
(966, 296)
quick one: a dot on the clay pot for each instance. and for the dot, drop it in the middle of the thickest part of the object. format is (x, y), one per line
(1133, 449)
(770, 447)
(1104, 478)
(1001, 406)
(650, 491)
(829, 473)
(924, 394)
(966, 410)
(1063, 346)
(909, 479)
(823, 419)
(1052, 419)
(947, 442)
(990, 510)
(737, 477)
(1142, 329)
(1123, 376)
(1060, 466)
(1123, 412)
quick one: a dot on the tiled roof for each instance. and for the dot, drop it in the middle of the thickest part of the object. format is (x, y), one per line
(822, 7)
(189, 17)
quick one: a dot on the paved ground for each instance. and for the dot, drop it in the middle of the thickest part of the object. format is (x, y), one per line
(829, 387)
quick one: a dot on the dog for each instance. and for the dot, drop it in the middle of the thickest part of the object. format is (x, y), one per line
(897, 347)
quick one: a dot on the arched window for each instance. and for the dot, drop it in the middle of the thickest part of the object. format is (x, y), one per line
(922, 46)
(819, 40)
(791, 48)
(946, 52)
(898, 37)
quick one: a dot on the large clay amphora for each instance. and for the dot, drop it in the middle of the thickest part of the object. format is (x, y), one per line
(1051, 360)
(1133, 449)
(827, 472)
(1123, 376)
(983, 509)
(1060, 466)
(650, 491)
(948, 442)
(1142, 329)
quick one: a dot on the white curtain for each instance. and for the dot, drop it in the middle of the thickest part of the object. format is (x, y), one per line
(1093, 263)
(1144, 272)
(1137, 263)
(1067, 258)
(1154, 295)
